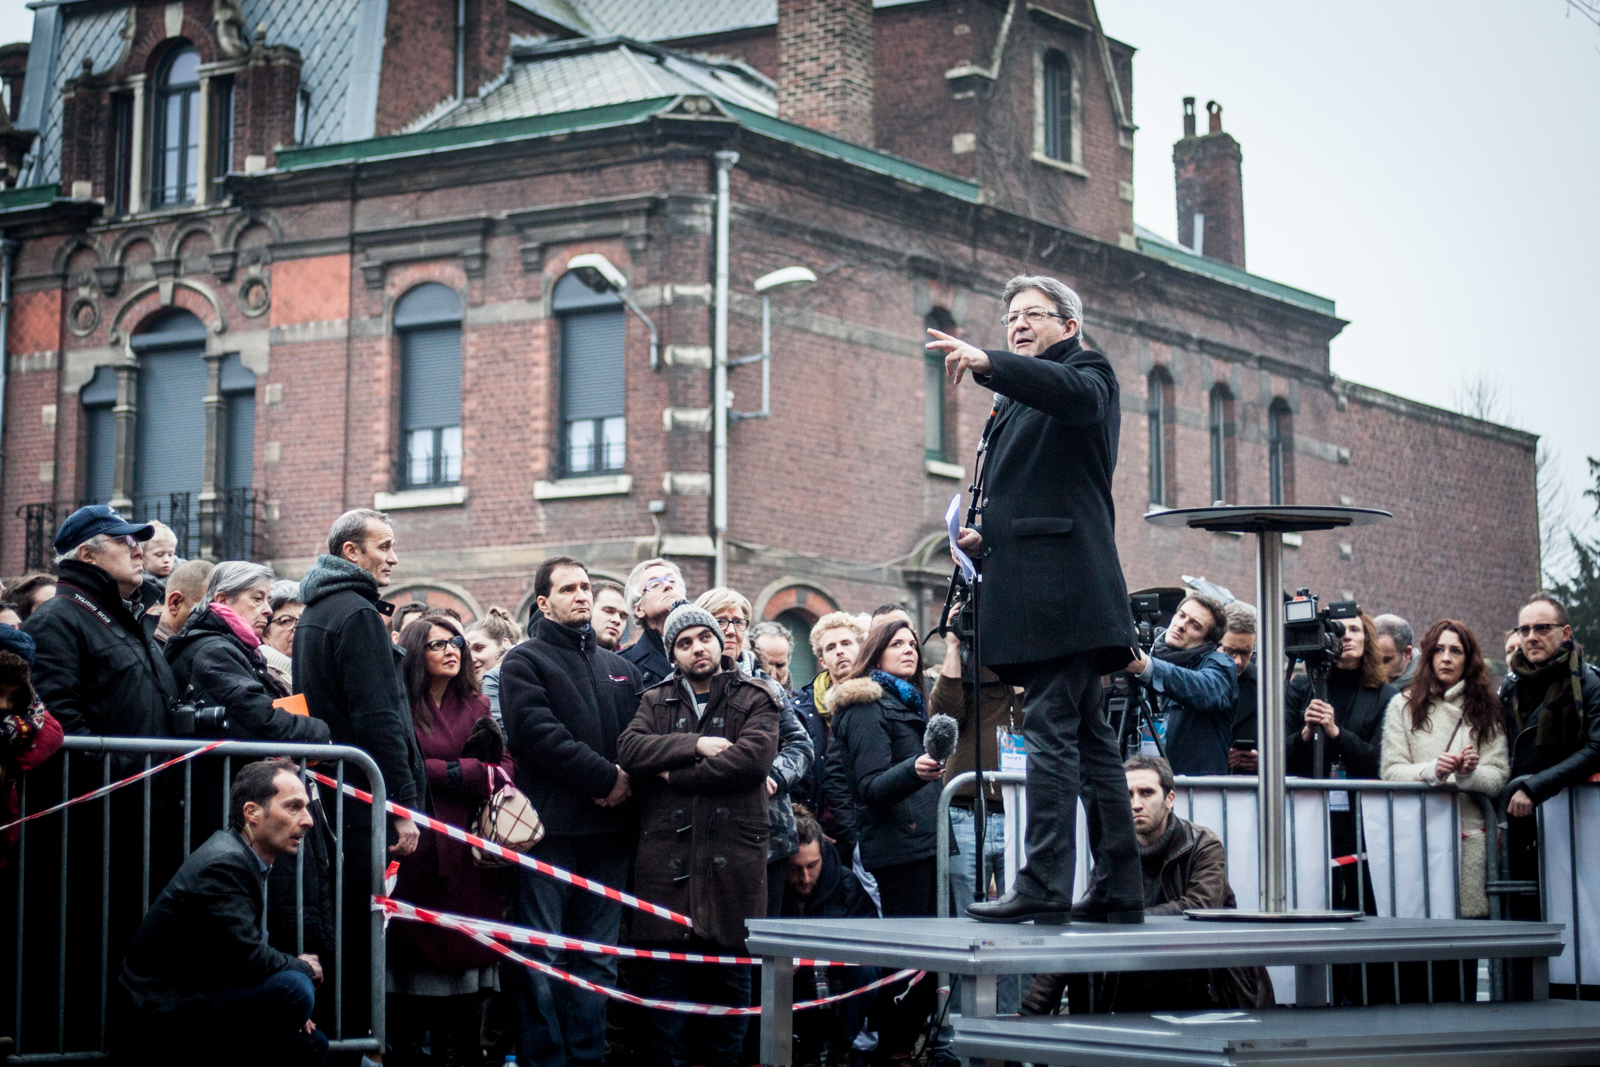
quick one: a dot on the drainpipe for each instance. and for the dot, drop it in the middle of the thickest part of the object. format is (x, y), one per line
(8, 248)
(461, 50)
(719, 376)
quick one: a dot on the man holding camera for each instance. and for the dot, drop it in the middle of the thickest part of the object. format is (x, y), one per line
(1198, 685)
(1053, 615)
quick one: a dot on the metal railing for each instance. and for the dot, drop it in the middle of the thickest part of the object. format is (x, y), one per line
(227, 525)
(45, 983)
(1425, 883)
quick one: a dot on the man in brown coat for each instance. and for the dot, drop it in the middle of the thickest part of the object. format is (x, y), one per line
(1184, 866)
(700, 749)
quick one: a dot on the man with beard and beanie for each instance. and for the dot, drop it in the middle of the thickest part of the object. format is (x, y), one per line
(699, 749)
(1198, 686)
(1552, 714)
(99, 673)
(349, 672)
(1183, 866)
(1053, 615)
(566, 701)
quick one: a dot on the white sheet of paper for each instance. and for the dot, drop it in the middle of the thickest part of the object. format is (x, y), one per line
(952, 522)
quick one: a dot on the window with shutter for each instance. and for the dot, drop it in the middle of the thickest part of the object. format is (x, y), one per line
(239, 399)
(99, 400)
(593, 397)
(428, 320)
(170, 431)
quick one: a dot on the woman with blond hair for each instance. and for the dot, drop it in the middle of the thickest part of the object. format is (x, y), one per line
(488, 641)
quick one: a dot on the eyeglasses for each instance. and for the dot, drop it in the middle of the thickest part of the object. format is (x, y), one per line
(445, 642)
(288, 622)
(1240, 655)
(663, 582)
(738, 626)
(1540, 628)
(1034, 317)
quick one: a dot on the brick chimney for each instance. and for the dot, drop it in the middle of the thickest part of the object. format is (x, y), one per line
(825, 66)
(1210, 188)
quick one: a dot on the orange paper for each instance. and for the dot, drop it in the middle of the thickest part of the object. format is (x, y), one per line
(294, 705)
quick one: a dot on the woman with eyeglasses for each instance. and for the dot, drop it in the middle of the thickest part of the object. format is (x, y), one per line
(438, 980)
(277, 644)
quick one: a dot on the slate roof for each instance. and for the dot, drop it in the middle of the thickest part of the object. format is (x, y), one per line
(663, 20)
(1153, 244)
(324, 32)
(97, 35)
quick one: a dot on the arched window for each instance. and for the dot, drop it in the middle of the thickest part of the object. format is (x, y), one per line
(99, 400)
(1158, 416)
(1280, 451)
(176, 159)
(428, 322)
(594, 432)
(1058, 106)
(935, 431)
(170, 430)
(1222, 432)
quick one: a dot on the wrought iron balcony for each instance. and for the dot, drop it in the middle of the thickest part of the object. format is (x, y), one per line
(229, 526)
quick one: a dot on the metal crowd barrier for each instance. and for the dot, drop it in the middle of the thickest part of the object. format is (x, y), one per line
(71, 773)
(1408, 837)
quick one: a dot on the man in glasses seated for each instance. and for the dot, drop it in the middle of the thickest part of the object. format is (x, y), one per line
(653, 587)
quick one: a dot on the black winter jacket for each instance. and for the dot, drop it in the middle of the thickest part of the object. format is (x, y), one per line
(349, 671)
(203, 933)
(95, 669)
(1357, 710)
(213, 666)
(838, 893)
(805, 706)
(565, 701)
(1543, 771)
(1052, 581)
(878, 739)
(649, 655)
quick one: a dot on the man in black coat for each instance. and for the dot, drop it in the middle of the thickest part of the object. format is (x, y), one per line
(1054, 610)
(653, 587)
(201, 979)
(349, 672)
(565, 701)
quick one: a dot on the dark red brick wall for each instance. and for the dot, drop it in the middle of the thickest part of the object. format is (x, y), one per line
(419, 56)
(825, 68)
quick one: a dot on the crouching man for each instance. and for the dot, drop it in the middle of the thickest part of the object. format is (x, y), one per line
(699, 750)
(200, 976)
(1184, 866)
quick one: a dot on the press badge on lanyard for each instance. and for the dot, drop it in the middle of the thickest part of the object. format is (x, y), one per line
(1013, 750)
(1338, 799)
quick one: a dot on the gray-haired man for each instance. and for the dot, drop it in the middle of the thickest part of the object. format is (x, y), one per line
(653, 587)
(1394, 641)
(1054, 611)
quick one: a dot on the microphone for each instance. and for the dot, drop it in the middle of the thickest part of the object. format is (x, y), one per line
(939, 739)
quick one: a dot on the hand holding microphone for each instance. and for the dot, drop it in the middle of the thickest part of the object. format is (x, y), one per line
(939, 743)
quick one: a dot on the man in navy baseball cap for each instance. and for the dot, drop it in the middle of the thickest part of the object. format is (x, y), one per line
(94, 520)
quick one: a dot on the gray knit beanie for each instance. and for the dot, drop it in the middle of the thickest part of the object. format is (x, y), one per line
(683, 616)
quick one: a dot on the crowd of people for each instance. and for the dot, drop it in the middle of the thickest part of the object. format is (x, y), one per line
(686, 766)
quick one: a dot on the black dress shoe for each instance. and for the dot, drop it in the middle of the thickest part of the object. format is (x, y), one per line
(1100, 911)
(1016, 908)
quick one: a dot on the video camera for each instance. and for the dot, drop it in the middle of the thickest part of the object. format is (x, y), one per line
(1312, 636)
(1146, 617)
(1128, 703)
(191, 717)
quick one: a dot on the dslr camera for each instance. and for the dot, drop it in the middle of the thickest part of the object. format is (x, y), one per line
(191, 718)
(1312, 636)
(1146, 617)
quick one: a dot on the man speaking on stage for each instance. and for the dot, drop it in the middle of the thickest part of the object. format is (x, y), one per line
(1053, 608)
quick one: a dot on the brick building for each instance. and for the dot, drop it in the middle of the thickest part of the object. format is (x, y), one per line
(272, 260)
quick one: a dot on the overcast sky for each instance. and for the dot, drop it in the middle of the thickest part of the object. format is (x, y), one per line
(1432, 166)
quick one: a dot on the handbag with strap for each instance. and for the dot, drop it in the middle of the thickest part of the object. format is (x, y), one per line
(506, 818)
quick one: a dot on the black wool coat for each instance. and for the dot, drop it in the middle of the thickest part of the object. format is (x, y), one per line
(212, 666)
(649, 655)
(877, 739)
(349, 671)
(565, 701)
(95, 669)
(1052, 581)
(1360, 722)
(203, 933)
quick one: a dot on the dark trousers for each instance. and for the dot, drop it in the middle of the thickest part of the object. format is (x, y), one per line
(260, 1026)
(908, 890)
(1072, 750)
(558, 1023)
(680, 1039)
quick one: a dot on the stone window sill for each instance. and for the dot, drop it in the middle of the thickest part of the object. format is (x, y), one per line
(1060, 164)
(940, 469)
(570, 488)
(442, 497)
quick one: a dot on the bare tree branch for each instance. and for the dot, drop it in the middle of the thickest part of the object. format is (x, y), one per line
(1483, 396)
(1589, 9)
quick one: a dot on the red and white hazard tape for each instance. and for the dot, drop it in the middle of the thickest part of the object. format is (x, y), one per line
(1347, 861)
(95, 794)
(522, 935)
(682, 1007)
(518, 858)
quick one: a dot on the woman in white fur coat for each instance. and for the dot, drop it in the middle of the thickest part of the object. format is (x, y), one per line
(1447, 728)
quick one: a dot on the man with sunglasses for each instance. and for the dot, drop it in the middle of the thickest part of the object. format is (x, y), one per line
(1053, 616)
(1553, 714)
(653, 587)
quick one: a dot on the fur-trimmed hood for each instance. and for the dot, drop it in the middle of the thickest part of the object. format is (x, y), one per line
(849, 694)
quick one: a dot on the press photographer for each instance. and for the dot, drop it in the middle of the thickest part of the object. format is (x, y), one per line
(1197, 683)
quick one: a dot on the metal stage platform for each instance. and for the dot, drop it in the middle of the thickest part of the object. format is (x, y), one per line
(985, 951)
(1543, 1033)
